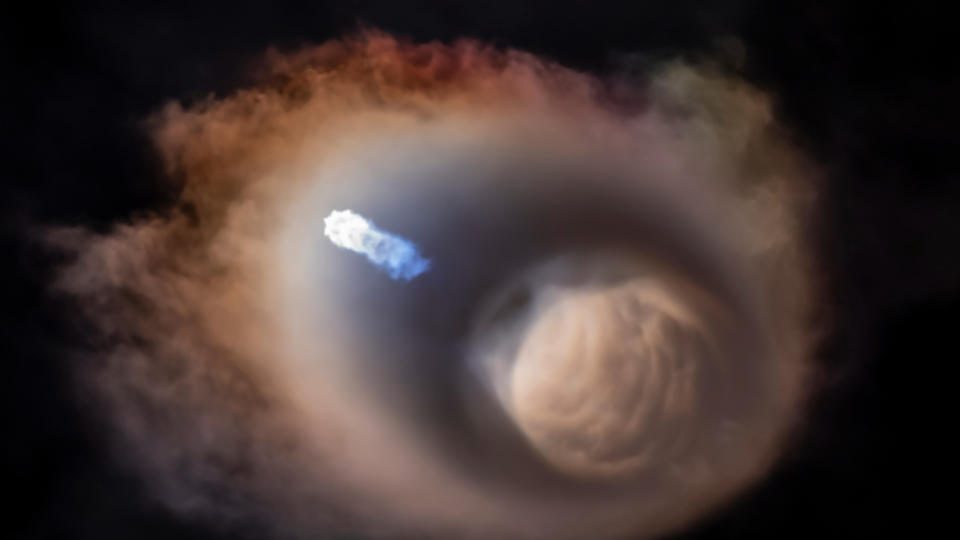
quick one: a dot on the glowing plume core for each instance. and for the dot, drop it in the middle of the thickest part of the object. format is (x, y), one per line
(395, 255)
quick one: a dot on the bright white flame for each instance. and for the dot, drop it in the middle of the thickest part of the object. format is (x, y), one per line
(397, 256)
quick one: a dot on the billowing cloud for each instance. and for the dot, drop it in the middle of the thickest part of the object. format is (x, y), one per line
(613, 338)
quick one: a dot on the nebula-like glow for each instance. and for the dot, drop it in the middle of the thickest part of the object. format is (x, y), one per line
(618, 344)
(395, 255)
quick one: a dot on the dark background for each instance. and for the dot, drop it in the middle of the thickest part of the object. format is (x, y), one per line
(870, 92)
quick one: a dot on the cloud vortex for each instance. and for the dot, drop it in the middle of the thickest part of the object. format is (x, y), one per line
(613, 338)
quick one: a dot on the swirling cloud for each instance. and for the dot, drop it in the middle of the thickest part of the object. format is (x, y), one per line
(613, 339)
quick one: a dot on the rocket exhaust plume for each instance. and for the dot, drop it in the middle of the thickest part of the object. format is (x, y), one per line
(393, 254)
(619, 342)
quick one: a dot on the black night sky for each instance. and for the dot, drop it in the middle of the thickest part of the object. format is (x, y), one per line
(869, 90)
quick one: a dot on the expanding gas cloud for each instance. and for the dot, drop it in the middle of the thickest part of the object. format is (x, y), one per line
(611, 336)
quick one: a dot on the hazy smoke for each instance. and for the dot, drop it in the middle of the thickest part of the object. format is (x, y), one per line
(617, 342)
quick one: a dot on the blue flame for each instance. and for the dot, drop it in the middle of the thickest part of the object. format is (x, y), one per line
(395, 255)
